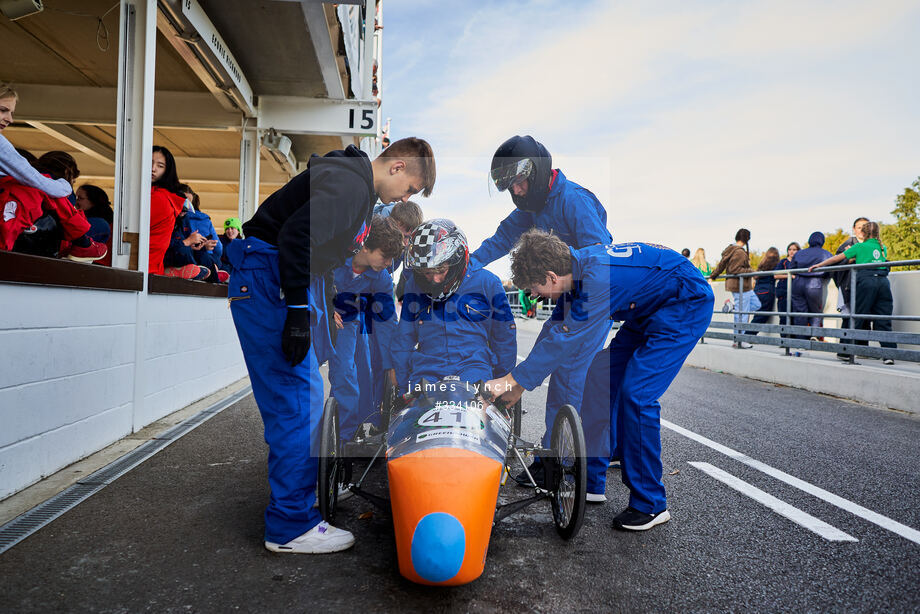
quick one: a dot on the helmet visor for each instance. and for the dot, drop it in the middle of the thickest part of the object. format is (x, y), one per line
(423, 254)
(506, 175)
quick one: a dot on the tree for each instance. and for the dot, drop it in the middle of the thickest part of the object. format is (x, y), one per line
(903, 237)
(833, 240)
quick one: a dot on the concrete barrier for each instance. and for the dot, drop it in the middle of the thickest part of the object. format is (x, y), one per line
(873, 384)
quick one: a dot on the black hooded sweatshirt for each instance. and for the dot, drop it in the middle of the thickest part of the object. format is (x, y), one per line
(318, 219)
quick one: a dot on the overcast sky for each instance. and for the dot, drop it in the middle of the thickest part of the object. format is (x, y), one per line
(687, 119)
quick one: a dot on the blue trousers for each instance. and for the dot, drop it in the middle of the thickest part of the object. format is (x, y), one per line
(379, 383)
(808, 295)
(290, 398)
(767, 302)
(99, 229)
(351, 378)
(183, 255)
(621, 412)
(567, 383)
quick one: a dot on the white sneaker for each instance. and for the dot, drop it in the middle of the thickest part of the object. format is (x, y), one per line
(321, 539)
(615, 463)
(595, 497)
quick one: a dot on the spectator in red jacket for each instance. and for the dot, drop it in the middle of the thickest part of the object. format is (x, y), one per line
(166, 202)
(36, 223)
(78, 244)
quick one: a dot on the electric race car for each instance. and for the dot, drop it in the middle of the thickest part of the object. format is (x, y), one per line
(447, 452)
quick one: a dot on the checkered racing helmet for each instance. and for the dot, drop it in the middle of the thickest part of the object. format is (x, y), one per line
(437, 244)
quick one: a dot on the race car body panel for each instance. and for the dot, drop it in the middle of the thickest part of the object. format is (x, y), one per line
(445, 459)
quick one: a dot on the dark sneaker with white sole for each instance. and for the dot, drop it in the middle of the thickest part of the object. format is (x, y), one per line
(633, 520)
(536, 470)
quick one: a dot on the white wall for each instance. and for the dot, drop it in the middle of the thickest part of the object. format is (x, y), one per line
(190, 350)
(67, 371)
(905, 288)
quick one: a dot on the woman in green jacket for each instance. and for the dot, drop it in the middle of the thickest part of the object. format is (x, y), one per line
(873, 292)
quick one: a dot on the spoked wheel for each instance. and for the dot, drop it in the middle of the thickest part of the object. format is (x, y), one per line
(331, 467)
(570, 482)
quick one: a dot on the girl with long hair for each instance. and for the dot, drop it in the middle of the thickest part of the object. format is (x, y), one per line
(76, 230)
(782, 285)
(765, 287)
(873, 292)
(699, 261)
(95, 203)
(167, 201)
(736, 259)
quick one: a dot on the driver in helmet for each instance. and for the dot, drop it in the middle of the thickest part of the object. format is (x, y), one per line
(455, 318)
(545, 199)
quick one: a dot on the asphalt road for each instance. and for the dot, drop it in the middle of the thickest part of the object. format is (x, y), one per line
(182, 532)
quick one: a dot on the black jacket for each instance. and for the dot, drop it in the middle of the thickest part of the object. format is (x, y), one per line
(318, 219)
(842, 278)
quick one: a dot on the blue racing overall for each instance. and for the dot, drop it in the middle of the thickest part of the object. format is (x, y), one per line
(665, 306)
(365, 303)
(576, 216)
(471, 334)
(290, 399)
(376, 349)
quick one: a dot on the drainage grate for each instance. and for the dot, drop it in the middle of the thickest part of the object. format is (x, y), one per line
(122, 465)
(184, 427)
(29, 522)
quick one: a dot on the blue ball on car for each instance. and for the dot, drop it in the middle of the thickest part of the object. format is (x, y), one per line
(438, 547)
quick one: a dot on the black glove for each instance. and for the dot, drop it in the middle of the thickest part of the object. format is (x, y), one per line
(295, 340)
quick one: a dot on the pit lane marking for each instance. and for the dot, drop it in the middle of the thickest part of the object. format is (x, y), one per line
(815, 525)
(836, 500)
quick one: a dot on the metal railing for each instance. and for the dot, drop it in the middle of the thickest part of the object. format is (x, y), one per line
(796, 336)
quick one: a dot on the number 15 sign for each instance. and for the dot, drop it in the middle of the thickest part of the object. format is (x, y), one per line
(294, 115)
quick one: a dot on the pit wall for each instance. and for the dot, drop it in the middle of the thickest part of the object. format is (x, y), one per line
(70, 382)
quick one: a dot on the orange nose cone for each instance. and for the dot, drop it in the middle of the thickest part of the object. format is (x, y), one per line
(443, 502)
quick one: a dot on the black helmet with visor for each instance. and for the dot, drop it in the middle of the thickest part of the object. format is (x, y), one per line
(438, 245)
(518, 159)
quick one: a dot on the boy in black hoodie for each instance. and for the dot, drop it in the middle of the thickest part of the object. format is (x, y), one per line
(277, 295)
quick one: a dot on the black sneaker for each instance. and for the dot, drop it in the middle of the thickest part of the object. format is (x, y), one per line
(536, 470)
(633, 520)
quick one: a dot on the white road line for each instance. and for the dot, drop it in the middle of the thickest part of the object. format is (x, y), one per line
(816, 525)
(844, 504)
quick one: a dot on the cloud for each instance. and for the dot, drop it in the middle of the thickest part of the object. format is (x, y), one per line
(688, 120)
